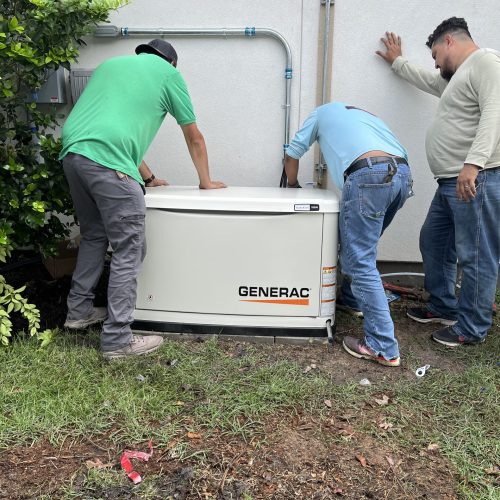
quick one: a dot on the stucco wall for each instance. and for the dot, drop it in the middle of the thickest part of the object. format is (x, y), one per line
(364, 79)
(238, 86)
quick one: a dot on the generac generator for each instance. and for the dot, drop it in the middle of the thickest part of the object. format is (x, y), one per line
(253, 261)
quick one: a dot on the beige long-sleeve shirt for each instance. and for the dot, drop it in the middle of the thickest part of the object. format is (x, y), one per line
(466, 128)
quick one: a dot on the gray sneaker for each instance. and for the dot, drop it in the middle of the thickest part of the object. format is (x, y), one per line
(139, 345)
(99, 314)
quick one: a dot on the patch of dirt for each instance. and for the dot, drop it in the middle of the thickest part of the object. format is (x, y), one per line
(415, 344)
(303, 461)
(297, 459)
(29, 472)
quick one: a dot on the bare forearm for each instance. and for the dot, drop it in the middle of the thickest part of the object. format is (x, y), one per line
(291, 169)
(197, 149)
(149, 178)
(145, 171)
(198, 152)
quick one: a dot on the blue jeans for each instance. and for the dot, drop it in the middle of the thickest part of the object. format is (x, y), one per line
(367, 208)
(467, 232)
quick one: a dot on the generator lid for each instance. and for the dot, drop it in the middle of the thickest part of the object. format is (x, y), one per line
(243, 199)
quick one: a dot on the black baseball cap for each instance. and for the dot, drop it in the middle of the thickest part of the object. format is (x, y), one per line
(159, 47)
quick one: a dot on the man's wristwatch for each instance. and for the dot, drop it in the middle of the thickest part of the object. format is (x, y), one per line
(150, 179)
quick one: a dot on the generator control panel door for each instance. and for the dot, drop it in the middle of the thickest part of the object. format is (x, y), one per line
(232, 263)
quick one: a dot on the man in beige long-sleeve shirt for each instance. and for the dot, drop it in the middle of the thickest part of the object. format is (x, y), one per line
(463, 151)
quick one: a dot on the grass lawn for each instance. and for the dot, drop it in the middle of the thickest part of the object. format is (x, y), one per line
(236, 420)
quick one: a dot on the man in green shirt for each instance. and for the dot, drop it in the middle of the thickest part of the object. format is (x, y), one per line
(104, 141)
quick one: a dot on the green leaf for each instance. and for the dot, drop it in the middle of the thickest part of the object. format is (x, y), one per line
(46, 337)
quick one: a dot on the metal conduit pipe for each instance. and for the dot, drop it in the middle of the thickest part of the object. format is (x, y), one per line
(326, 36)
(321, 167)
(113, 31)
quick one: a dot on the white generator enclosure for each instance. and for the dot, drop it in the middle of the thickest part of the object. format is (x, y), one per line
(259, 261)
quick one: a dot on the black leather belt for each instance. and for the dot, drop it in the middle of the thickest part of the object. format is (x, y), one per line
(374, 160)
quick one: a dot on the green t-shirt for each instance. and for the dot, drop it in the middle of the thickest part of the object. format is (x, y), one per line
(121, 109)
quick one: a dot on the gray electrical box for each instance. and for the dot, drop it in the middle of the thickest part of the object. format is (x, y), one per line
(78, 79)
(53, 91)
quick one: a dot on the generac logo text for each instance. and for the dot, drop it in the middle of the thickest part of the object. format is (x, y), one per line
(275, 295)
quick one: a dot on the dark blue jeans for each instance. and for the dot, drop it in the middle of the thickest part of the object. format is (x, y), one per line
(368, 206)
(467, 232)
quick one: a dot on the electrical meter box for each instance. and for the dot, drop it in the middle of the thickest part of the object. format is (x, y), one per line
(257, 261)
(53, 91)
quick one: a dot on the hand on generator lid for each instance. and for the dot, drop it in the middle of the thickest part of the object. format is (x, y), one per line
(153, 181)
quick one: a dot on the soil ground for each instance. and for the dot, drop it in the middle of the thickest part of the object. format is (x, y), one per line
(296, 456)
(294, 462)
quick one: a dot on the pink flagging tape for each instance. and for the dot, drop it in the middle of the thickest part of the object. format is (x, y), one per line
(139, 455)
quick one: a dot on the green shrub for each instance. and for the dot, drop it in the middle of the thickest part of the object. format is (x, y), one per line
(36, 37)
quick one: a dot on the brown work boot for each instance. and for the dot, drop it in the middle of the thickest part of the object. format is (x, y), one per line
(138, 345)
(98, 315)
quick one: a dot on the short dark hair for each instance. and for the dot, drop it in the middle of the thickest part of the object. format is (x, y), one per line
(451, 25)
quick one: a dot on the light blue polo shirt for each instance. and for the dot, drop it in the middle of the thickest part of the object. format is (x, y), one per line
(344, 133)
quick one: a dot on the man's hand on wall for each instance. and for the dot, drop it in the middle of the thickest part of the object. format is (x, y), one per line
(392, 43)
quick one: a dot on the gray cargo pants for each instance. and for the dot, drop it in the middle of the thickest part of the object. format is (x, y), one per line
(110, 209)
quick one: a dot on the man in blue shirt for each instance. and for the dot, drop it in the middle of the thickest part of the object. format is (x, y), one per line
(370, 166)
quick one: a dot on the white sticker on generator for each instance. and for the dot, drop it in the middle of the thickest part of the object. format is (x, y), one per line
(327, 293)
(327, 307)
(328, 275)
(328, 290)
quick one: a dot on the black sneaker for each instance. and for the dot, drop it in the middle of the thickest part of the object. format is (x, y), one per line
(423, 315)
(448, 337)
